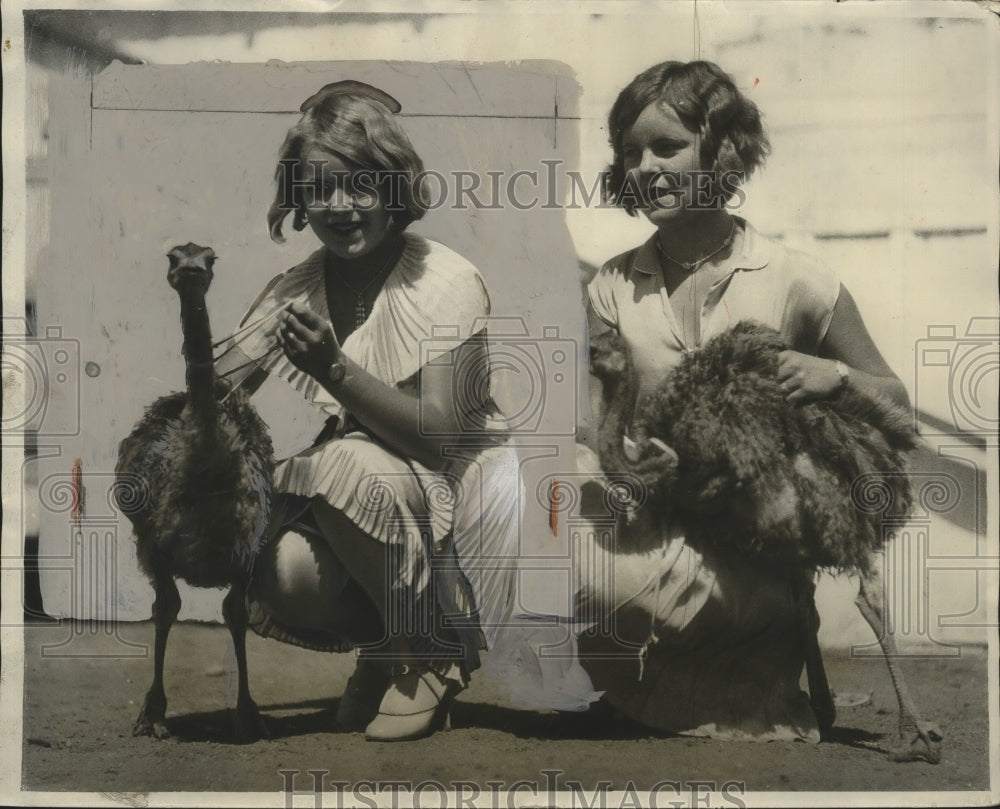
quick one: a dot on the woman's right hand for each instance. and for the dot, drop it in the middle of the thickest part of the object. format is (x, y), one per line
(805, 378)
(307, 340)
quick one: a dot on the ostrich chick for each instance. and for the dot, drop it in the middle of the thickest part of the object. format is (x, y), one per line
(791, 488)
(195, 479)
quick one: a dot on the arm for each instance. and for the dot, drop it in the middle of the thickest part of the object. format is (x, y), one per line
(416, 426)
(807, 378)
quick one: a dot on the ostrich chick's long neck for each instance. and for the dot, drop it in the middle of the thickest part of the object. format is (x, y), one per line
(198, 355)
(619, 397)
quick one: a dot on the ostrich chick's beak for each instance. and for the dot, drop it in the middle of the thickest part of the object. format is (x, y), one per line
(191, 261)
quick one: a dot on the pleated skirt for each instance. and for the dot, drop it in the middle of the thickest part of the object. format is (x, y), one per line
(453, 535)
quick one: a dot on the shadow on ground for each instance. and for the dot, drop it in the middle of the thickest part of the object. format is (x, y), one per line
(79, 710)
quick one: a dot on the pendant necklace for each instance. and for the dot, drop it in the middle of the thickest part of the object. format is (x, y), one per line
(688, 336)
(691, 266)
(361, 312)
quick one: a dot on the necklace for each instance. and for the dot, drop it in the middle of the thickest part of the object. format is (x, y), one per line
(360, 310)
(691, 266)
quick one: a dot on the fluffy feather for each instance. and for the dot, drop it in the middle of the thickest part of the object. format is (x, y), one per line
(199, 502)
(756, 475)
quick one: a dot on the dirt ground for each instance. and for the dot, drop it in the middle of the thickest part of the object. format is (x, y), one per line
(78, 714)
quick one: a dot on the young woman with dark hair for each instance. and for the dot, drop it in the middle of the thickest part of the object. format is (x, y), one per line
(722, 642)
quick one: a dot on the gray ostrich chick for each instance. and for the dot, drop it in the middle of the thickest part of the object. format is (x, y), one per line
(195, 479)
(792, 488)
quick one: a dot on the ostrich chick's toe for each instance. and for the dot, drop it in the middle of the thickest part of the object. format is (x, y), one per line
(150, 721)
(919, 744)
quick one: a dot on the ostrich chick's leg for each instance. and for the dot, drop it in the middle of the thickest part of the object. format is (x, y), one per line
(820, 697)
(150, 721)
(918, 740)
(249, 727)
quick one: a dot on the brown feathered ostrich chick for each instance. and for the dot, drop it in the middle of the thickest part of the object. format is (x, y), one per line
(793, 488)
(195, 479)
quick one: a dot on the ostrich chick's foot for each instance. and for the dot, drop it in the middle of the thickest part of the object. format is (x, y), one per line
(150, 721)
(919, 744)
(248, 725)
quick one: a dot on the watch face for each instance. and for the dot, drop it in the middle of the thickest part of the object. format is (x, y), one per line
(337, 372)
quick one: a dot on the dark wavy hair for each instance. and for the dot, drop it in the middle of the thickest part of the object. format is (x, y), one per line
(359, 130)
(707, 101)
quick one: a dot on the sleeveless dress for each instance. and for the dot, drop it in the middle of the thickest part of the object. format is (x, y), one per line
(678, 641)
(457, 528)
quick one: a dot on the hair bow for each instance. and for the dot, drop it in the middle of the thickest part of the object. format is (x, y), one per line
(352, 87)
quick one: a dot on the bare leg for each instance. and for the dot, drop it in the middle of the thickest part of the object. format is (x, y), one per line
(416, 702)
(820, 697)
(249, 727)
(150, 721)
(917, 739)
(367, 560)
(305, 585)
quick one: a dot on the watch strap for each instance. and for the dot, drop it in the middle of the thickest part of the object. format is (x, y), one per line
(336, 372)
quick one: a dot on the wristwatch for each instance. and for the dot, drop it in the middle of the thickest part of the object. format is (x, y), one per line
(844, 373)
(336, 372)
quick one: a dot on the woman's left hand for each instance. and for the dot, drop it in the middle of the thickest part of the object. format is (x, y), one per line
(308, 340)
(805, 378)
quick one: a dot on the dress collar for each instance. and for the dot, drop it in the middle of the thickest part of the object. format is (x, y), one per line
(752, 252)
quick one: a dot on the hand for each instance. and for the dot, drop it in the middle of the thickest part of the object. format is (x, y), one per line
(805, 378)
(307, 340)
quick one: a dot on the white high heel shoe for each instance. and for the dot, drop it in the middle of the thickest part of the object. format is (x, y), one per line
(416, 704)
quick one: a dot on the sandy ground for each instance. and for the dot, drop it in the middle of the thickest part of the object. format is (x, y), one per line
(78, 714)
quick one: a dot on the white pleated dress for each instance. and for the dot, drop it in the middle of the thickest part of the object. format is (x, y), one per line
(457, 527)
